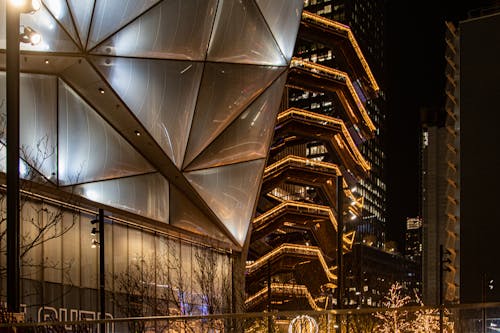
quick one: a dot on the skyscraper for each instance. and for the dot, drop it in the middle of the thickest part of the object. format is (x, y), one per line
(440, 185)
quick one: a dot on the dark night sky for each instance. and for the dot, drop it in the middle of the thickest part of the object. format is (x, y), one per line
(415, 79)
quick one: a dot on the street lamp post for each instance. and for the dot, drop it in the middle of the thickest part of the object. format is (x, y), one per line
(12, 77)
(340, 244)
(340, 233)
(102, 282)
(13, 222)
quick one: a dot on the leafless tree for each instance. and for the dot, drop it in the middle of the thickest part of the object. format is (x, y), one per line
(35, 231)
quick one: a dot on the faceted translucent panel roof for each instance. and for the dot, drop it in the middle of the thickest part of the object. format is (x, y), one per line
(284, 29)
(146, 37)
(146, 195)
(143, 96)
(38, 104)
(241, 35)
(184, 214)
(161, 93)
(226, 90)
(231, 192)
(248, 136)
(89, 149)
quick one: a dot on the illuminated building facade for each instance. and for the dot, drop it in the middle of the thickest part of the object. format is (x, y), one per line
(413, 239)
(366, 20)
(314, 158)
(370, 273)
(414, 250)
(162, 115)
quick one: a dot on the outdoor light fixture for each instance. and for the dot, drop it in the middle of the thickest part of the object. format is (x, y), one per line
(30, 36)
(94, 243)
(27, 6)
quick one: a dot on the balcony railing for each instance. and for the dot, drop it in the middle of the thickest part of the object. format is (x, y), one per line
(464, 318)
(345, 30)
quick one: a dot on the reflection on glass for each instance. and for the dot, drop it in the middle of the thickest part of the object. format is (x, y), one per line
(144, 195)
(123, 11)
(54, 38)
(241, 35)
(161, 93)
(166, 31)
(226, 90)
(185, 215)
(89, 148)
(230, 191)
(283, 17)
(248, 137)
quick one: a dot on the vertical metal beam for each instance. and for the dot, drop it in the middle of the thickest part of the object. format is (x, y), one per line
(102, 295)
(340, 240)
(13, 221)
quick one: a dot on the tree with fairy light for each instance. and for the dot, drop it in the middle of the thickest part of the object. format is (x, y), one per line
(396, 319)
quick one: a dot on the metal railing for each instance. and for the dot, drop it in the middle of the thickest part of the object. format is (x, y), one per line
(465, 318)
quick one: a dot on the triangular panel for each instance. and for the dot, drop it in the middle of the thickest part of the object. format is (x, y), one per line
(185, 215)
(161, 93)
(82, 13)
(241, 35)
(166, 31)
(283, 17)
(38, 122)
(144, 195)
(89, 148)
(248, 137)
(230, 191)
(61, 12)
(123, 11)
(226, 90)
(54, 37)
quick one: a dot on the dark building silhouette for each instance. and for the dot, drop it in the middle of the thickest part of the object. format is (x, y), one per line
(479, 156)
